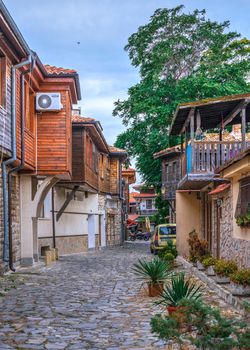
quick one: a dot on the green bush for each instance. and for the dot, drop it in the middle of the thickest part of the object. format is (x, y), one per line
(225, 267)
(170, 248)
(210, 261)
(241, 276)
(203, 326)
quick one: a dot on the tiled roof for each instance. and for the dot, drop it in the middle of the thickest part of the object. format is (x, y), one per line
(133, 217)
(128, 170)
(132, 197)
(169, 150)
(58, 70)
(219, 189)
(113, 149)
(145, 195)
(79, 119)
(226, 136)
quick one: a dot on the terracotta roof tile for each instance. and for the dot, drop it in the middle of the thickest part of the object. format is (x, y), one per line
(145, 195)
(219, 189)
(128, 170)
(113, 149)
(80, 119)
(166, 151)
(58, 70)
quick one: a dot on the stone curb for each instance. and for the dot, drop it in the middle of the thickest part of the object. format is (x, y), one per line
(221, 291)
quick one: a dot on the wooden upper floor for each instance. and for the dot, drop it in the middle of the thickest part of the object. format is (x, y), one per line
(171, 170)
(47, 135)
(95, 164)
(201, 155)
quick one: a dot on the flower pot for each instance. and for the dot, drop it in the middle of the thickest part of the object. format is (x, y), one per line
(155, 290)
(239, 289)
(222, 279)
(172, 309)
(200, 266)
(210, 271)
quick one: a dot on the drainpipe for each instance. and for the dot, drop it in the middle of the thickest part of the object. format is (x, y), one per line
(10, 161)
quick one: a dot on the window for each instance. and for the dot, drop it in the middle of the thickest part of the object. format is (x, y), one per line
(3, 81)
(89, 152)
(149, 204)
(243, 203)
(94, 158)
(102, 166)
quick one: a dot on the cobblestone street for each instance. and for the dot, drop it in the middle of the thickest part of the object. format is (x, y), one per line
(86, 301)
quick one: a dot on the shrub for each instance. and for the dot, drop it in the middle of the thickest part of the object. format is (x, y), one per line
(154, 271)
(241, 276)
(179, 288)
(203, 326)
(198, 248)
(225, 267)
(170, 248)
(210, 261)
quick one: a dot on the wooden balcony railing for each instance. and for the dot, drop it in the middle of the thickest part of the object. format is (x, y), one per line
(205, 157)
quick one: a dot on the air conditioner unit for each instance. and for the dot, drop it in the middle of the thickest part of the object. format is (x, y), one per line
(48, 101)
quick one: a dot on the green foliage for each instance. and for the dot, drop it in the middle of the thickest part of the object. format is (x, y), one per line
(181, 57)
(162, 208)
(203, 326)
(225, 267)
(169, 249)
(198, 248)
(179, 288)
(210, 261)
(243, 220)
(242, 276)
(154, 271)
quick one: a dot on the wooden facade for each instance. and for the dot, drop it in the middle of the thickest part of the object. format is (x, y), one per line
(94, 163)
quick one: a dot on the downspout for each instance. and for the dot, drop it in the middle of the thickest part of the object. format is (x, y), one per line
(53, 217)
(19, 167)
(10, 161)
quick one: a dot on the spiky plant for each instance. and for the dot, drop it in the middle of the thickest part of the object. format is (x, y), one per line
(154, 271)
(180, 288)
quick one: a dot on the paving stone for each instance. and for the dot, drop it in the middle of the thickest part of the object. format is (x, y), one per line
(86, 301)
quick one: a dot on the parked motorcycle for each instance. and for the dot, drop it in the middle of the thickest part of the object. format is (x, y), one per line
(142, 235)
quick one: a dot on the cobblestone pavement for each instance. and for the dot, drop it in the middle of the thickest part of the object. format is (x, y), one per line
(87, 301)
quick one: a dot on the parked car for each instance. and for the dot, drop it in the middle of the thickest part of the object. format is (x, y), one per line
(162, 234)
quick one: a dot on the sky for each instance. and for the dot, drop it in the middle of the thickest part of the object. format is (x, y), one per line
(53, 29)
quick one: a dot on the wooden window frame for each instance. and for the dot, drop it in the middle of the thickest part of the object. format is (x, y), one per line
(29, 108)
(243, 202)
(150, 207)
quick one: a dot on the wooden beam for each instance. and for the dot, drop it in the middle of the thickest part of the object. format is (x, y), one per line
(66, 203)
(191, 112)
(234, 113)
(243, 127)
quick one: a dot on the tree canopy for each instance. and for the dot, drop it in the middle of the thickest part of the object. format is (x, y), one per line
(181, 57)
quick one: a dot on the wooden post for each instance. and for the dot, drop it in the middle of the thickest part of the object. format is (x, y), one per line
(243, 127)
(192, 138)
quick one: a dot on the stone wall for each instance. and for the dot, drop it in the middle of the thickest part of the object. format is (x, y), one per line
(114, 233)
(67, 244)
(230, 247)
(15, 212)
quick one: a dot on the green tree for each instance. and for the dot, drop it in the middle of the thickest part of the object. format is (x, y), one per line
(181, 57)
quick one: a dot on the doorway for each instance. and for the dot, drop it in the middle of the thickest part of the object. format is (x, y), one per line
(91, 231)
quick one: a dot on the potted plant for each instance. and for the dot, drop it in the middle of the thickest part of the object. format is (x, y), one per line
(209, 263)
(223, 269)
(179, 289)
(198, 249)
(243, 220)
(154, 273)
(240, 282)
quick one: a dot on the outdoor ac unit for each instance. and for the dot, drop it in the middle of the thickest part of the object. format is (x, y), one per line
(48, 101)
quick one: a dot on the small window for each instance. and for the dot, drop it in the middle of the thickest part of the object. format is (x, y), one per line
(3, 81)
(149, 204)
(29, 107)
(243, 203)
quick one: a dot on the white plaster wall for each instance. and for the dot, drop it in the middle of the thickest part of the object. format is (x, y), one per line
(75, 220)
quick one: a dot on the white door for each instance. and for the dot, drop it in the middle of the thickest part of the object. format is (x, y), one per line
(91, 231)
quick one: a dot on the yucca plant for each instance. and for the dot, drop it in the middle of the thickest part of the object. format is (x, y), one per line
(153, 271)
(180, 288)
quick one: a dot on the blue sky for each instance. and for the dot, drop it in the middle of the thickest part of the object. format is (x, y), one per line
(52, 28)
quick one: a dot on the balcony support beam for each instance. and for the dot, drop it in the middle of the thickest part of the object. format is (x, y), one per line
(243, 127)
(233, 113)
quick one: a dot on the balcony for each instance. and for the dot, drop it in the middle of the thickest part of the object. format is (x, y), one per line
(147, 212)
(202, 158)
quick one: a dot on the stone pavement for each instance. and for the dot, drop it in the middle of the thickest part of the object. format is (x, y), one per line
(86, 301)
